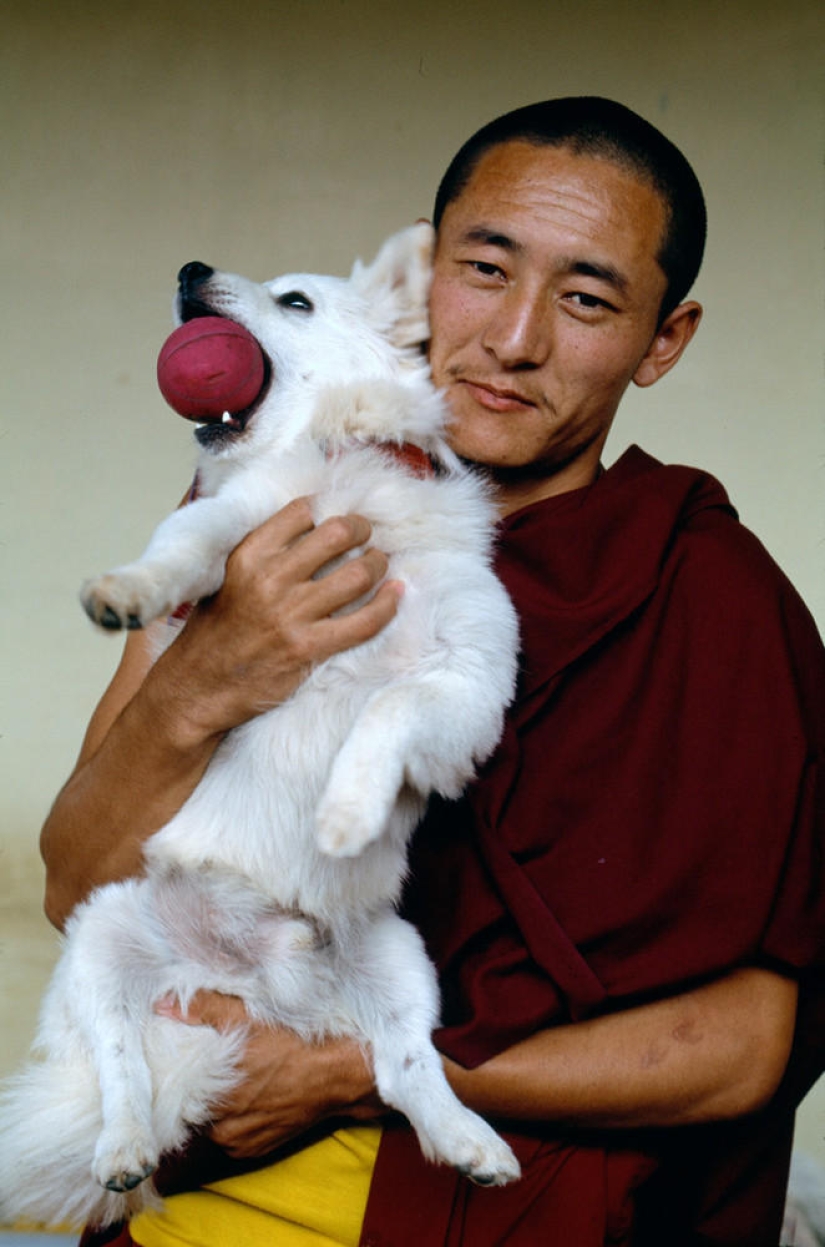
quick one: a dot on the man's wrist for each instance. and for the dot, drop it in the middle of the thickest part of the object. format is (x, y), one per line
(179, 710)
(350, 1082)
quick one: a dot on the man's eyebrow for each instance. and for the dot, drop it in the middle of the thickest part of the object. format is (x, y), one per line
(589, 268)
(484, 236)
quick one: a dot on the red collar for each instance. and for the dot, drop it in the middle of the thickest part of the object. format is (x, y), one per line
(410, 456)
(407, 454)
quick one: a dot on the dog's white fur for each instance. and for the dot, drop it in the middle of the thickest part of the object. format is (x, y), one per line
(276, 881)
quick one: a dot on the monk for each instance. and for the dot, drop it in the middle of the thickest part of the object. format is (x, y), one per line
(627, 909)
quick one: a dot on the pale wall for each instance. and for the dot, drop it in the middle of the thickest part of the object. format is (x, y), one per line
(264, 136)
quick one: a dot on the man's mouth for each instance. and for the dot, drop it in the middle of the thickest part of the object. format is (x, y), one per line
(494, 397)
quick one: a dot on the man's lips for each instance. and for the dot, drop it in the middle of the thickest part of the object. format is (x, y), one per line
(495, 398)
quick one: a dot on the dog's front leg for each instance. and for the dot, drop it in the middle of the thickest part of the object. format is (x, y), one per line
(184, 561)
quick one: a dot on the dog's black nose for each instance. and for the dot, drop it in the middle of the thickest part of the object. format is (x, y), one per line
(194, 273)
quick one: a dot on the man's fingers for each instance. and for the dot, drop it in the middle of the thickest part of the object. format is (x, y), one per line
(333, 537)
(205, 1009)
(247, 1137)
(354, 579)
(295, 575)
(345, 631)
(275, 618)
(288, 524)
(291, 537)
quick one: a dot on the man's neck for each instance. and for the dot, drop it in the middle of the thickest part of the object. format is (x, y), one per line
(513, 491)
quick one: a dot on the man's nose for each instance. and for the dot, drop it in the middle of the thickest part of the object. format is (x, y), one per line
(519, 332)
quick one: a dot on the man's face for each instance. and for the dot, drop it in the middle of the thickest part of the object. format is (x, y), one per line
(545, 300)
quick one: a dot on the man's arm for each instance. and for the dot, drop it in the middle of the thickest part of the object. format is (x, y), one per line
(243, 651)
(714, 1053)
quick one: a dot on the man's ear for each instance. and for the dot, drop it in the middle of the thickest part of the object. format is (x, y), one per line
(669, 343)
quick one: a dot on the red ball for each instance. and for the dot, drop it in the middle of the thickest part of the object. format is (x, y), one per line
(208, 366)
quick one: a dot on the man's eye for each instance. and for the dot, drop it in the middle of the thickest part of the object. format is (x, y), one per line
(485, 268)
(296, 300)
(590, 301)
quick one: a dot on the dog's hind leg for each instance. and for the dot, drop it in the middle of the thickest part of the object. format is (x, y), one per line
(396, 1000)
(103, 981)
(126, 1152)
(425, 732)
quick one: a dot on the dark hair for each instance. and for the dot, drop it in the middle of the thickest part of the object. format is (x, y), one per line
(591, 126)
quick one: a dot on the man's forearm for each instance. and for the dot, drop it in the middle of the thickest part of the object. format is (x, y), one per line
(133, 775)
(714, 1053)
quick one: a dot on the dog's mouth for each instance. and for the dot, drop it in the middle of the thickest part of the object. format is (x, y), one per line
(191, 308)
(219, 434)
(216, 434)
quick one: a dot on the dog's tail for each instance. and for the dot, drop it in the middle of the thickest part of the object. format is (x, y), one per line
(50, 1121)
(49, 1124)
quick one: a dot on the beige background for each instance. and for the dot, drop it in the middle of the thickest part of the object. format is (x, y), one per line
(263, 136)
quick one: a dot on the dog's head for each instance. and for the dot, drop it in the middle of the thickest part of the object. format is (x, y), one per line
(317, 333)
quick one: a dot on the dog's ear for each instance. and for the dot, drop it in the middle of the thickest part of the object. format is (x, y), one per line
(397, 283)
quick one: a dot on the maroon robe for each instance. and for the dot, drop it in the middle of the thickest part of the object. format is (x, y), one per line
(652, 818)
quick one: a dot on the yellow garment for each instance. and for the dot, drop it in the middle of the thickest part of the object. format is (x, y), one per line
(315, 1197)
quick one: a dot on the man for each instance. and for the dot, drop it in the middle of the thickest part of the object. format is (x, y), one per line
(627, 910)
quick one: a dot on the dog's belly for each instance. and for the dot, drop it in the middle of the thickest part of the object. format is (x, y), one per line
(254, 811)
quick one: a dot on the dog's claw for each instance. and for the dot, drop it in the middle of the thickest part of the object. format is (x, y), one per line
(479, 1179)
(128, 597)
(109, 619)
(497, 1177)
(128, 1181)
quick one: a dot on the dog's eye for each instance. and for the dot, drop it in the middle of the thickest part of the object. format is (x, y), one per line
(296, 300)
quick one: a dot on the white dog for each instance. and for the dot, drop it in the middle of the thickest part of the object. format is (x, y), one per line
(276, 881)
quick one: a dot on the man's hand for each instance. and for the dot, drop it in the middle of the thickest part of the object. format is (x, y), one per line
(274, 618)
(287, 1086)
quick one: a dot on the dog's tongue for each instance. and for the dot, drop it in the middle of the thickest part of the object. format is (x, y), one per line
(210, 369)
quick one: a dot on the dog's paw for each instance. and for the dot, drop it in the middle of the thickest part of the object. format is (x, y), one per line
(340, 832)
(359, 799)
(491, 1166)
(347, 821)
(122, 1167)
(130, 597)
(472, 1147)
